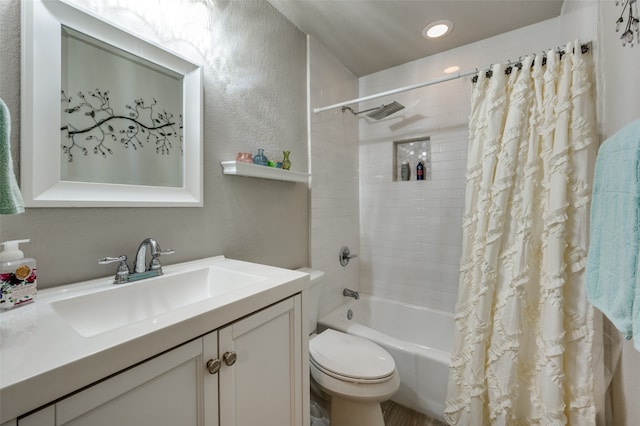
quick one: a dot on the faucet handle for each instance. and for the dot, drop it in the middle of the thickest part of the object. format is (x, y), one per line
(122, 274)
(122, 259)
(345, 256)
(155, 259)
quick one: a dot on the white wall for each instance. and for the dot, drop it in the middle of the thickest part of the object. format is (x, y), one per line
(620, 67)
(334, 175)
(410, 231)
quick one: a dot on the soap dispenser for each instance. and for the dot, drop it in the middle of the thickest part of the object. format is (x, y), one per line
(18, 283)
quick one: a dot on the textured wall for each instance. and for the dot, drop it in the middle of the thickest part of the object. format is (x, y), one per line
(254, 96)
(334, 175)
(410, 238)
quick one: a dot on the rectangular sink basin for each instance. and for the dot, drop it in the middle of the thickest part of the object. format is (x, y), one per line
(124, 304)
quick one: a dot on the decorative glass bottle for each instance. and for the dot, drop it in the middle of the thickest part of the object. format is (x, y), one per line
(286, 164)
(244, 157)
(260, 159)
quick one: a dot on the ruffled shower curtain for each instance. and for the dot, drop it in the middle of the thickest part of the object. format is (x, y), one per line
(523, 349)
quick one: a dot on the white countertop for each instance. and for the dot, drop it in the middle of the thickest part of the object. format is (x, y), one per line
(42, 358)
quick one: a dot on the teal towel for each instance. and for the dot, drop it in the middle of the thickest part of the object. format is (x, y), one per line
(10, 197)
(612, 263)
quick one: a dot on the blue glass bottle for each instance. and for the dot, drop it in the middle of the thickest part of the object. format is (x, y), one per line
(260, 159)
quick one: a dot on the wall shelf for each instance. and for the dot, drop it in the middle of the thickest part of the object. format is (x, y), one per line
(238, 168)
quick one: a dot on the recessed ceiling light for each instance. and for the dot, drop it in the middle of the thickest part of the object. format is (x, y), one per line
(437, 29)
(451, 69)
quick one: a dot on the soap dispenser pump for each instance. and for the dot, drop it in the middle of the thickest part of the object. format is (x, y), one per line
(18, 284)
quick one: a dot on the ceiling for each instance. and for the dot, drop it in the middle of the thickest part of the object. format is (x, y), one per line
(372, 35)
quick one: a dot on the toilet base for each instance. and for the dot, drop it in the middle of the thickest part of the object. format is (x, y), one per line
(346, 412)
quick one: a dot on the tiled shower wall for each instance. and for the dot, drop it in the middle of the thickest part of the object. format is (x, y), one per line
(410, 237)
(334, 175)
(411, 231)
(406, 233)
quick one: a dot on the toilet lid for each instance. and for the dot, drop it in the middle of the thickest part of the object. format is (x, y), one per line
(350, 356)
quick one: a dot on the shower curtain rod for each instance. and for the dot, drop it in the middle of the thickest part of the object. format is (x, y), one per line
(584, 47)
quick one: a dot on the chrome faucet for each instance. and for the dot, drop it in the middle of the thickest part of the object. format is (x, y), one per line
(140, 262)
(351, 293)
(140, 270)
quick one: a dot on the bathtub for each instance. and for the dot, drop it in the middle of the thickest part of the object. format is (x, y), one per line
(419, 340)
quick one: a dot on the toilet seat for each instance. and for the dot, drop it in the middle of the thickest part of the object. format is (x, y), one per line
(350, 358)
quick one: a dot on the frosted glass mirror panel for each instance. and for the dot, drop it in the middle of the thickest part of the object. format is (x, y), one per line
(108, 119)
(121, 116)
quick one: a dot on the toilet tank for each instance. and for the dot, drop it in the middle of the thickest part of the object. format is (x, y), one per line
(311, 298)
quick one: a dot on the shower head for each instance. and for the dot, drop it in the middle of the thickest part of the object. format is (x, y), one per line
(378, 112)
(385, 110)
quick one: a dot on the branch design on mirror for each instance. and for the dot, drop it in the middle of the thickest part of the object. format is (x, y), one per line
(95, 124)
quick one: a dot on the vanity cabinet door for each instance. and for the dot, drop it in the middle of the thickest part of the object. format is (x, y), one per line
(261, 374)
(43, 417)
(161, 391)
(212, 365)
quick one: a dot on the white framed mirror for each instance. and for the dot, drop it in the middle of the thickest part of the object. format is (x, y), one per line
(108, 119)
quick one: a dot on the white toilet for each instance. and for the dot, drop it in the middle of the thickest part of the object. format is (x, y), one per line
(357, 373)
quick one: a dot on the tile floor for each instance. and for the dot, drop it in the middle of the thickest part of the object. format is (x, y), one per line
(397, 415)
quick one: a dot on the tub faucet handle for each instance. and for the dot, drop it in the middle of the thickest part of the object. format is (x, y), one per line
(345, 256)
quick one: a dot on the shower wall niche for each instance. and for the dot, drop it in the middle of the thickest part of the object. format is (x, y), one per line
(412, 151)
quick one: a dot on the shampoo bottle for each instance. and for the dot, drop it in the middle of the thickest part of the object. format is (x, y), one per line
(405, 171)
(17, 276)
(420, 171)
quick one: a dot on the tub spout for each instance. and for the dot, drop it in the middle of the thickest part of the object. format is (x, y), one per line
(350, 293)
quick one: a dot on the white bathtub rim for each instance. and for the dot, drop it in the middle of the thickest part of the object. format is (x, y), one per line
(398, 302)
(336, 320)
(376, 336)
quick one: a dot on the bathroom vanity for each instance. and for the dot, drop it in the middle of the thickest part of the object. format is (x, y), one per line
(236, 354)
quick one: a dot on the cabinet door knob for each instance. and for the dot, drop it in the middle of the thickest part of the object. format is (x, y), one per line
(229, 358)
(213, 366)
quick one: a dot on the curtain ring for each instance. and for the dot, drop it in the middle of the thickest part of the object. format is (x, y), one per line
(489, 72)
(474, 79)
